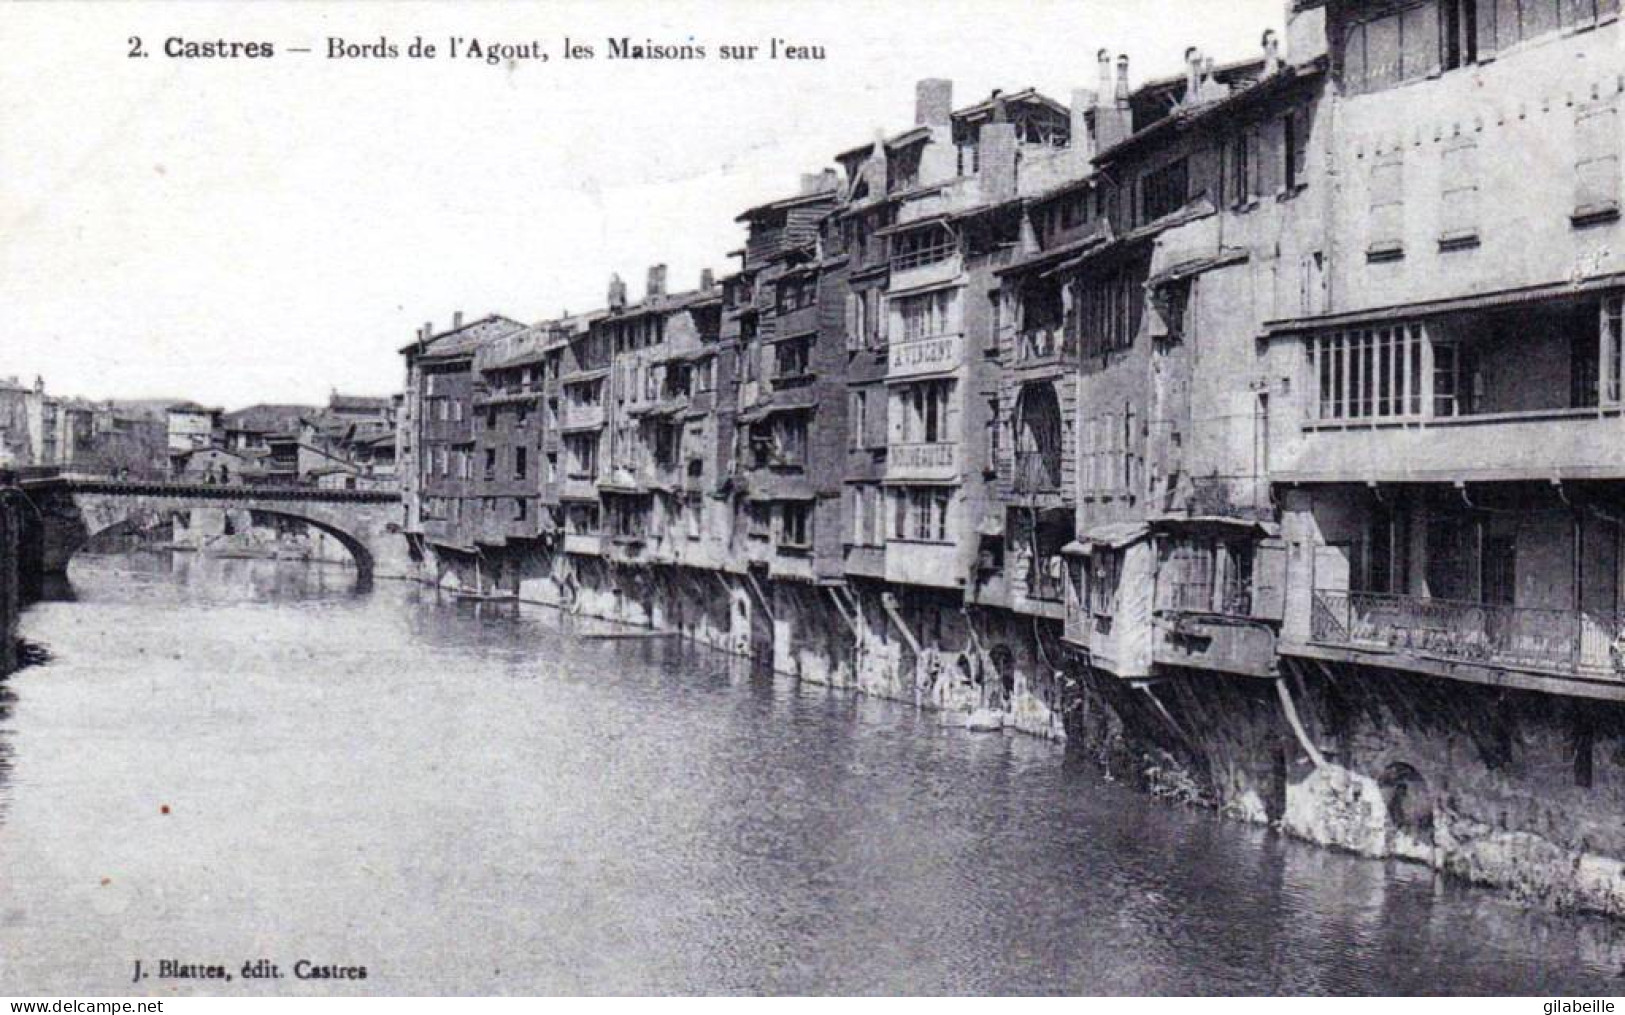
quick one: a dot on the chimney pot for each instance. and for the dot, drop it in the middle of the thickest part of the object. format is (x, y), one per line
(1122, 80)
(707, 280)
(656, 286)
(428, 329)
(1103, 93)
(456, 320)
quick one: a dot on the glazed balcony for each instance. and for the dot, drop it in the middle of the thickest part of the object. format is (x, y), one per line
(1567, 642)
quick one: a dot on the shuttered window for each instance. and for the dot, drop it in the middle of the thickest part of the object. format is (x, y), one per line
(1459, 185)
(1596, 144)
(1387, 192)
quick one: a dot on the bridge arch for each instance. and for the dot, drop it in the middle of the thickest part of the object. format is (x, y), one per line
(365, 523)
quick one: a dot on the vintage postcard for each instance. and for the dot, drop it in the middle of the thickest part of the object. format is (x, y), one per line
(1104, 497)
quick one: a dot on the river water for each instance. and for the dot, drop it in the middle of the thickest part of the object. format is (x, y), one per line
(234, 760)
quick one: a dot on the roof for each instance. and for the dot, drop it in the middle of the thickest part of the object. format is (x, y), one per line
(192, 407)
(266, 417)
(1186, 118)
(338, 401)
(985, 107)
(466, 338)
(907, 137)
(786, 203)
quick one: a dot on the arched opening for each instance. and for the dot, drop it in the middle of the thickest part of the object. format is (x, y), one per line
(89, 533)
(1406, 796)
(1038, 439)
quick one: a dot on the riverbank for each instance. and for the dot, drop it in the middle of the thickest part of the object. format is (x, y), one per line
(1500, 788)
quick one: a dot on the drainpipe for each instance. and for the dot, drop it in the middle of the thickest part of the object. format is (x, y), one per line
(1290, 711)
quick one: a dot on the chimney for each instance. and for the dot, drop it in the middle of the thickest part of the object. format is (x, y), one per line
(1113, 120)
(456, 320)
(1193, 75)
(428, 330)
(1083, 100)
(707, 280)
(996, 146)
(1272, 52)
(933, 102)
(656, 286)
(809, 184)
(617, 293)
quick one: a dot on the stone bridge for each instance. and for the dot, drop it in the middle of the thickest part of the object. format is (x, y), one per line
(68, 510)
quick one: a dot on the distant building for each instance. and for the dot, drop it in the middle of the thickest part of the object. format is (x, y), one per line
(192, 426)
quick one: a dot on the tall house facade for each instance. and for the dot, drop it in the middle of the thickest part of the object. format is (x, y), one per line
(438, 450)
(1448, 464)
(790, 398)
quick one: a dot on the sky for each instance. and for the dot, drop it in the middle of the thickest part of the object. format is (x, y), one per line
(239, 231)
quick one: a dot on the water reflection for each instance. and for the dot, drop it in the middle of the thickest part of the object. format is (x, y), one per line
(477, 801)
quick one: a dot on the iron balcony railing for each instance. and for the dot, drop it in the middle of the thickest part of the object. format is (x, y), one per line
(1571, 641)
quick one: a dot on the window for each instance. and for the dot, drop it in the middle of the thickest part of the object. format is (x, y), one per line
(1612, 352)
(1241, 179)
(790, 439)
(1596, 168)
(519, 509)
(1387, 194)
(868, 528)
(1459, 183)
(1295, 150)
(797, 525)
(1111, 459)
(1401, 46)
(926, 315)
(1106, 566)
(857, 418)
(1111, 308)
(1459, 32)
(920, 514)
(797, 294)
(520, 463)
(926, 413)
(1374, 373)
(792, 358)
(922, 246)
(1043, 310)
(1164, 191)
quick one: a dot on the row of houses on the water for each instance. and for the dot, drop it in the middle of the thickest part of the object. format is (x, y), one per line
(1308, 357)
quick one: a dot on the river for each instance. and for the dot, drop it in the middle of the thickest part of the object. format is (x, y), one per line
(229, 760)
